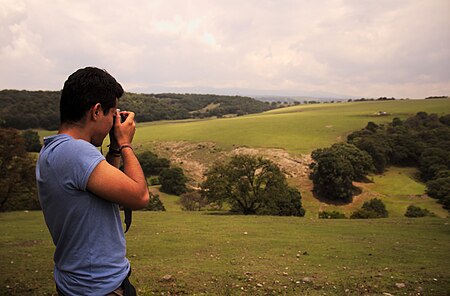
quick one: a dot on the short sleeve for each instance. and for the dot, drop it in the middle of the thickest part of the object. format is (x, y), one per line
(78, 161)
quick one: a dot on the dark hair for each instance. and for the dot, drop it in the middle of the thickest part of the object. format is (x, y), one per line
(85, 88)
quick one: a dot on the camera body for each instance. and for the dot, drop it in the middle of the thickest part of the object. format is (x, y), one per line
(122, 116)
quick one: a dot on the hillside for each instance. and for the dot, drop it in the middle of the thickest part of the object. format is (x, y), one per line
(287, 136)
(23, 109)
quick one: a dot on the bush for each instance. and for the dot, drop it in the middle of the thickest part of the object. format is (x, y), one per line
(192, 201)
(154, 204)
(440, 189)
(414, 212)
(373, 208)
(331, 215)
(173, 181)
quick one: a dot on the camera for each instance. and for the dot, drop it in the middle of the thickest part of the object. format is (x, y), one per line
(122, 116)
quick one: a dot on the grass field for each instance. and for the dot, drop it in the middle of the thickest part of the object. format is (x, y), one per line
(298, 129)
(206, 253)
(179, 253)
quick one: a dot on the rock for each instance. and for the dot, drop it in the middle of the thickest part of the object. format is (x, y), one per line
(167, 278)
(307, 279)
(400, 285)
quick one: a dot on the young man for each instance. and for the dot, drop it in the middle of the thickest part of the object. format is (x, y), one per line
(80, 190)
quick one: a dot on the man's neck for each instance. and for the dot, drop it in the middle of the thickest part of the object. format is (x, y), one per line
(77, 131)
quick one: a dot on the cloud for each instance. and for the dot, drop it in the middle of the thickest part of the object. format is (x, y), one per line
(359, 48)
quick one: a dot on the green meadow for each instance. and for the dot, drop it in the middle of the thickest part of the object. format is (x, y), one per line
(298, 129)
(186, 253)
(213, 253)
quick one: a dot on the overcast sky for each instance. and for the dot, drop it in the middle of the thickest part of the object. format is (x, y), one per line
(357, 48)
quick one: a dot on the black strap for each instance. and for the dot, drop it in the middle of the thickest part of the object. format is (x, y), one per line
(128, 215)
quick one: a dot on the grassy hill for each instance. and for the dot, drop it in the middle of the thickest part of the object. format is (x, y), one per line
(298, 129)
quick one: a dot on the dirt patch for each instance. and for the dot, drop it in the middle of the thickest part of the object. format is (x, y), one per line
(196, 158)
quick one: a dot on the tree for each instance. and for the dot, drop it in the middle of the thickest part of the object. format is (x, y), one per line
(439, 188)
(32, 141)
(17, 173)
(151, 164)
(335, 168)
(432, 161)
(360, 160)
(332, 176)
(192, 201)
(173, 181)
(252, 185)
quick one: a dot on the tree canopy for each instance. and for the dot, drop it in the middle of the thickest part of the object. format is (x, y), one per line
(421, 141)
(18, 189)
(252, 185)
(335, 168)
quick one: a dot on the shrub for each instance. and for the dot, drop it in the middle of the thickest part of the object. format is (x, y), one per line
(192, 201)
(154, 204)
(373, 208)
(173, 181)
(414, 212)
(331, 215)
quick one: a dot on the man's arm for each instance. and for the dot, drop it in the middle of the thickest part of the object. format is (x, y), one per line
(127, 188)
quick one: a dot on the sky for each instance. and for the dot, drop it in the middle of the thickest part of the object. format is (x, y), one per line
(324, 48)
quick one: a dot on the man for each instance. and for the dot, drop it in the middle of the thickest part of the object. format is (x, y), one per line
(80, 190)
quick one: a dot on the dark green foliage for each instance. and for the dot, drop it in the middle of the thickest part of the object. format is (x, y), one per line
(440, 189)
(331, 215)
(332, 177)
(151, 164)
(335, 168)
(32, 141)
(252, 185)
(432, 161)
(154, 204)
(18, 189)
(373, 208)
(40, 109)
(415, 212)
(421, 141)
(173, 181)
(192, 201)
(30, 109)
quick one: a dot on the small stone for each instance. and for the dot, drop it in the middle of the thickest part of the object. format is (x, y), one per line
(400, 285)
(245, 233)
(167, 277)
(307, 279)
(259, 285)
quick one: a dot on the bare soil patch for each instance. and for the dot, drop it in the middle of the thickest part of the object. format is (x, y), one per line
(196, 158)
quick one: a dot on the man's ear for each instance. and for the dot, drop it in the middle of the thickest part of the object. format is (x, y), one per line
(95, 111)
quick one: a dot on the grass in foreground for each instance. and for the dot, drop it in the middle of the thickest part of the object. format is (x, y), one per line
(178, 253)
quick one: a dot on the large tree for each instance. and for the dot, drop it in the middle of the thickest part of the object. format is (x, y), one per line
(17, 173)
(252, 185)
(335, 168)
(173, 181)
(151, 164)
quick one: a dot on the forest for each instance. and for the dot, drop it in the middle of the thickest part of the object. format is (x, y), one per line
(40, 109)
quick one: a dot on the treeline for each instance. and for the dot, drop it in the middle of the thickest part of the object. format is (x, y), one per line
(421, 141)
(22, 109)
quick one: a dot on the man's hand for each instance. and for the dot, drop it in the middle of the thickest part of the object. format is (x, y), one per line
(122, 133)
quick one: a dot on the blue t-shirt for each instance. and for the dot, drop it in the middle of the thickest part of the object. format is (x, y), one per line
(86, 230)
